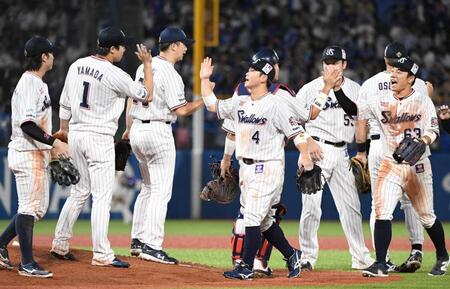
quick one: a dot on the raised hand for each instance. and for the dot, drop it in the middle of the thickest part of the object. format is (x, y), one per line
(206, 68)
(444, 112)
(143, 53)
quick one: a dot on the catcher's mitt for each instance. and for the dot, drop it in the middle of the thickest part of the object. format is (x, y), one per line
(122, 149)
(64, 172)
(362, 175)
(222, 190)
(409, 150)
(309, 182)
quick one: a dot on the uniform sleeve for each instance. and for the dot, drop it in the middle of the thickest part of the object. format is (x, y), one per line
(225, 108)
(300, 110)
(228, 126)
(364, 110)
(305, 98)
(123, 84)
(139, 78)
(286, 121)
(28, 97)
(431, 119)
(173, 87)
(65, 111)
(420, 86)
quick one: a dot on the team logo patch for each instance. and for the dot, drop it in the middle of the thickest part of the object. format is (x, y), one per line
(420, 168)
(259, 169)
(434, 121)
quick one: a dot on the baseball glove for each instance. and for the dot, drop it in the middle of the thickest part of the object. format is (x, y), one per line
(64, 172)
(409, 150)
(309, 182)
(222, 190)
(122, 149)
(362, 175)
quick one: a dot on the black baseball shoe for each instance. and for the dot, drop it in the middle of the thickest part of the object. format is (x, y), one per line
(391, 267)
(159, 256)
(136, 247)
(306, 266)
(440, 268)
(68, 257)
(240, 271)
(412, 264)
(293, 264)
(34, 270)
(4, 259)
(119, 263)
(377, 269)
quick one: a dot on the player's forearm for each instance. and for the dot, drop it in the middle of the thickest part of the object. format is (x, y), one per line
(208, 95)
(189, 108)
(361, 136)
(64, 125)
(429, 136)
(32, 130)
(128, 120)
(148, 80)
(230, 146)
(346, 103)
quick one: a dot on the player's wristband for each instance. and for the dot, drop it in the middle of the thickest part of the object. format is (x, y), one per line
(320, 100)
(361, 147)
(210, 100)
(431, 135)
(300, 138)
(230, 146)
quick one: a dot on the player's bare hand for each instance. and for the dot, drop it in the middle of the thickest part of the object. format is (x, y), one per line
(143, 53)
(206, 68)
(225, 167)
(315, 151)
(361, 157)
(430, 88)
(126, 134)
(330, 76)
(444, 112)
(60, 150)
(305, 162)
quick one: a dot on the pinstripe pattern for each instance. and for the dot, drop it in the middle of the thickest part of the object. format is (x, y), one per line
(332, 124)
(335, 169)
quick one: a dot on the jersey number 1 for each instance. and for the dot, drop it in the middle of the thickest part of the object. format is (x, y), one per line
(85, 94)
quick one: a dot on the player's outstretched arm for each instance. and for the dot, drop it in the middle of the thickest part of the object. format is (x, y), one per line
(225, 163)
(128, 120)
(361, 138)
(145, 56)
(207, 86)
(301, 143)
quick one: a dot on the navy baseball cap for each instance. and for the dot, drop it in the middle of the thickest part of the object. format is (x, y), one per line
(174, 34)
(265, 67)
(37, 45)
(395, 50)
(267, 54)
(113, 36)
(334, 52)
(406, 64)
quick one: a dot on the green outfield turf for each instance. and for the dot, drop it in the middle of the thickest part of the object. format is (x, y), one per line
(328, 259)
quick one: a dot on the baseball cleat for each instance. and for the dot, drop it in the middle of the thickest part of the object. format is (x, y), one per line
(306, 266)
(136, 247)
(68, 256)
(293, 264)
(159, 256)
(412, 264)
(241, 271)
(377, 269)
(4, 259)
(391, 267)
(116, 262)
(440, 268)
(261, 270)
(34, 270)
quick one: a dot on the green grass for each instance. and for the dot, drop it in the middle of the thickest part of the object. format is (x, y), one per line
(328, 259)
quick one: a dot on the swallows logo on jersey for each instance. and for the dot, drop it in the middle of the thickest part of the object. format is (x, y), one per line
(331, 104)
(251, 118)
(404, 117)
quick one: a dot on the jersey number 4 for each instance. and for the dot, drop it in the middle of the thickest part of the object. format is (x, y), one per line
(85, 94)
(255, 137)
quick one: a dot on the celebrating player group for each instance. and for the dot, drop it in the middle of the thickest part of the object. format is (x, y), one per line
(391, 111)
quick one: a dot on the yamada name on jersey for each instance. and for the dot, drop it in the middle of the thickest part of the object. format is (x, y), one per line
(404, 117)
(250, 119)
(90, 72)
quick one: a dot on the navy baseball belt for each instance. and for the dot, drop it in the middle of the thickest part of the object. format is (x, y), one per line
(375, 137)
(336, 144)
(148, 121)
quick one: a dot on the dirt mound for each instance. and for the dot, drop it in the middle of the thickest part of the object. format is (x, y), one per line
(143, 274)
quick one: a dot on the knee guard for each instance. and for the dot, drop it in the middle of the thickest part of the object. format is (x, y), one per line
(237, 239)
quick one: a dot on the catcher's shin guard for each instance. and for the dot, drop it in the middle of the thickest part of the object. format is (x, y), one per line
(237, 239)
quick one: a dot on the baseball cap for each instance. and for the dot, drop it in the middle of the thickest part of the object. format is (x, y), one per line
(37, 45)
(267, 54)
(174, 34)
(394, 50)
(113, 36)
(406, 64)
(265, 67)
(334, 52)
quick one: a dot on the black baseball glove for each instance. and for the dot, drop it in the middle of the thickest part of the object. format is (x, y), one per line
(122, 149)
(64, 172)
(409, 150)
(309, 182)
(362, 175)
(222, 190)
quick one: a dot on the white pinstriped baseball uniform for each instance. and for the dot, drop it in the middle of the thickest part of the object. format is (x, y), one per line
(377, 86)
(28, 158)
(93, 99)
(154, 147)
(261, 127)
(414, 115)
(333, 125)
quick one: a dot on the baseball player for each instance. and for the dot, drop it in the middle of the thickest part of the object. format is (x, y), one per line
(333, 129)
(261, 123)
(91, 103)
(260, 265)
(444, 116)
(29, 154)
(403, 113)
(379, 85)
(150, 132)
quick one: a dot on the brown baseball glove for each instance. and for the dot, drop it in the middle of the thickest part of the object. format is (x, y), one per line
(362, 175)
(222, 190)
